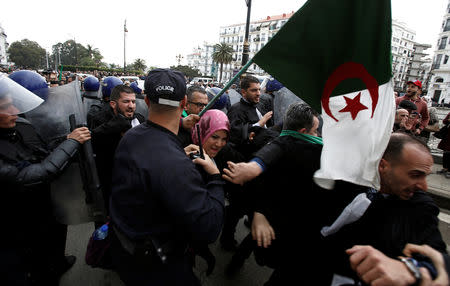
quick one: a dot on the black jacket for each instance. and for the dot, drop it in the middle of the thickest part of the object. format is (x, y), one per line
(158, 191)
(27, 167)
(242, 116)
(388, 225)
(107, 130)
(286, 194)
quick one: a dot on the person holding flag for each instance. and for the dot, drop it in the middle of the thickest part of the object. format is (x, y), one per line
(347, 75)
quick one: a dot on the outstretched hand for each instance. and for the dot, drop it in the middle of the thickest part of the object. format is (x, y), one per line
(240, 173)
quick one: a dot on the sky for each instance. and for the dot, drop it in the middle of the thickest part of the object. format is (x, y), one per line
(159, 30)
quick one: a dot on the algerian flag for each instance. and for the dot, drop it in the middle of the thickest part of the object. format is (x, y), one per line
(336, 56)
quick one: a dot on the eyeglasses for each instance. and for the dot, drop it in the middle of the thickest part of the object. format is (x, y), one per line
(198, 104)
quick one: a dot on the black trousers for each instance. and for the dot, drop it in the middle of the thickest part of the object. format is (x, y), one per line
(134, 271)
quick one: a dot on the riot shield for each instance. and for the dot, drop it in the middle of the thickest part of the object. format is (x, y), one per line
(51, 118)
(91, 98)
(141, 106)
(282, 99)
(71, 204)
(234, 96)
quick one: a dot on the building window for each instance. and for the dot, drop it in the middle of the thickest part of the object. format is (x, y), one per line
(447, 25)
(437, 61)
(439, 79)
(443, 43)
(445, 59)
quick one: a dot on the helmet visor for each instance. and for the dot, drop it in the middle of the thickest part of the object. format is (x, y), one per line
(14, 98)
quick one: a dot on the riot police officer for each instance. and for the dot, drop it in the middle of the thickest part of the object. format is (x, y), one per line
(159, 201)
(30, 250)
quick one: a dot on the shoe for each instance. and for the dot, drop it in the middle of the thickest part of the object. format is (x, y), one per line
(234, 266)
(442, 171)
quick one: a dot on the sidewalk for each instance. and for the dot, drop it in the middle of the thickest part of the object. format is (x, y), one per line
(439, 186)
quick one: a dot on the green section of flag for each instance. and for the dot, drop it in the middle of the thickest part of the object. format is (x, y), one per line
(321, 36)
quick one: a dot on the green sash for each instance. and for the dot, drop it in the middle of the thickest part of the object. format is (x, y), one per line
(305, 137)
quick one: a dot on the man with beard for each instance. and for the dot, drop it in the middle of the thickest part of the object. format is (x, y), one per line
(413, 91)
(245, 114)
(108, 127)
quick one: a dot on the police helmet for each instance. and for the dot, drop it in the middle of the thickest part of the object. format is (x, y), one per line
(273, 85)
(108, 84)
(136, 88)
(32, 81)
(221, 102)
(91, 83)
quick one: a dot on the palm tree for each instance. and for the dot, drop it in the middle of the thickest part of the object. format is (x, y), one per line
(139, 64)
(90, 50)
(223, 54)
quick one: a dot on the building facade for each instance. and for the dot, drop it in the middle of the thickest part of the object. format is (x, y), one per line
(439, 86)
(3, 47)
(260, 32)
(402, 52)
(201, 59)
(419, 65)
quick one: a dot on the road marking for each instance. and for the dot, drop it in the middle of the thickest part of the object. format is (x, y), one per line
(444, 217)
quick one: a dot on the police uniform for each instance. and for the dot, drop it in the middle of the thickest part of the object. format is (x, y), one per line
(159, 201)
(33, 248)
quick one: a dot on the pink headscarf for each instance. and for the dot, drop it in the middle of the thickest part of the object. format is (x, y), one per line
(211, 121)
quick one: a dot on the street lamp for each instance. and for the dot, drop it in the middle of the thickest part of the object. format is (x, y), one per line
(245, 52)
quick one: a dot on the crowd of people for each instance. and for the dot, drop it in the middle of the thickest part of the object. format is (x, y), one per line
(178, 178)
(414, 116)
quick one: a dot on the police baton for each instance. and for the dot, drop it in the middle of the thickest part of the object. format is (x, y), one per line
(89, 175)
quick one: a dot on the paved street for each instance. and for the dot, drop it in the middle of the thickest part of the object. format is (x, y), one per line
(82, 274)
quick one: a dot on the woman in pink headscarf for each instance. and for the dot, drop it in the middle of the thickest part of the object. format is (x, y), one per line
(214, 131)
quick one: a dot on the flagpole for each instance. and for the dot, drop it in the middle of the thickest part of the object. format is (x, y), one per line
(124, 45)
(227, 86)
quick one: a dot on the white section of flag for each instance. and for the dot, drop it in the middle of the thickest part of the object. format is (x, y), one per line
(352, 149)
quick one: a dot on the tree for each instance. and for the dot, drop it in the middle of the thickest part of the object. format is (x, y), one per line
(223, 54)
(187, 70)
(27, 54)
(94, 55)
(73, 53)
(139, 64)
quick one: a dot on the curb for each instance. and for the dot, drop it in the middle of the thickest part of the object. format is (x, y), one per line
(437, 158)
(441, 199)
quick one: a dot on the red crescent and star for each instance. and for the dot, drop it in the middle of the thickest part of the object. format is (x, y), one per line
(354, 106)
